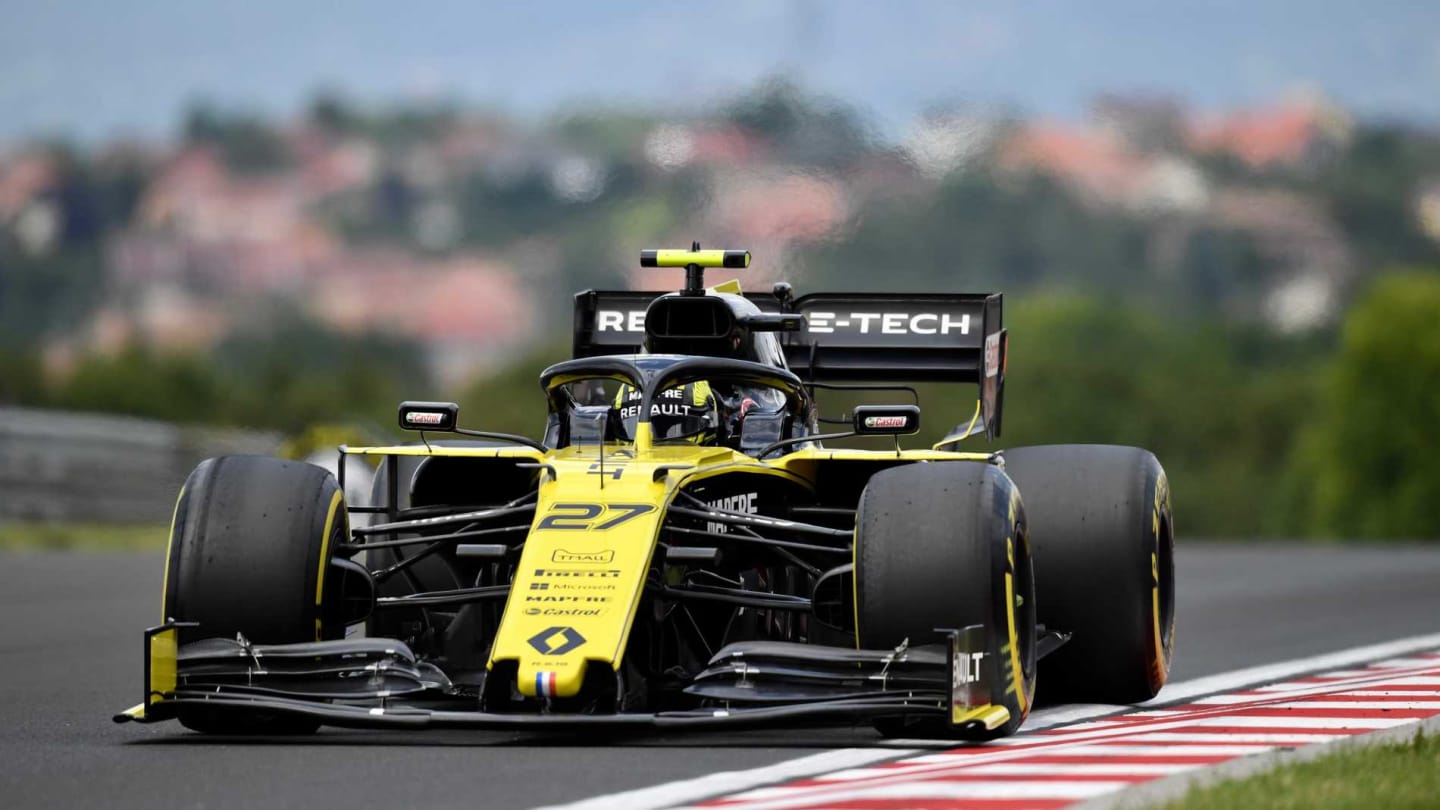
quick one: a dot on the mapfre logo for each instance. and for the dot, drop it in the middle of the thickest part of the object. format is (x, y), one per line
(743, 503)
(889, 323)
(560, 555)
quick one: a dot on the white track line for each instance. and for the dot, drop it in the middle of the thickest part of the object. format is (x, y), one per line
(684, 791)
(688, 790)
(1304, 722)
(1356, 704)
(783, 797)
(1288, 738)
(1127, 749)
(1084, 769)
(1390, 693)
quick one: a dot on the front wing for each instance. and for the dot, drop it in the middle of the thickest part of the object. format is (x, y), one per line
(379, 683)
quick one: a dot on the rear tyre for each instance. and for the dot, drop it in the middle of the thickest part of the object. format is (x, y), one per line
(250, 546)
(1104, 541)
(945, 545)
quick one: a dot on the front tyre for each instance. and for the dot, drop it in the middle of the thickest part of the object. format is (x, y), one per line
(250, 546)
(946, 545)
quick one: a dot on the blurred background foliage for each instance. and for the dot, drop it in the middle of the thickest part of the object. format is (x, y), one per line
(1152, 325)
(1368, 450)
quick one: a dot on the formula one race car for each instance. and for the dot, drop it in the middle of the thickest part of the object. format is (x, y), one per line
(680, 549)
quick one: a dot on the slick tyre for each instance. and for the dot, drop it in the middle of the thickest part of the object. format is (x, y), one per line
(250, 546)
(1104, 540)
(945, 545)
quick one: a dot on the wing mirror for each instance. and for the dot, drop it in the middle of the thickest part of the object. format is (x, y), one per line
(441, 417)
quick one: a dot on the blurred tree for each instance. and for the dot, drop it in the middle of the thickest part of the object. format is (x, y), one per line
(291, 373)
(141, 382)
(613, 134)
(1217, 411)
(246, 143)
(805, 129)
(287, 376)
(1371, 454)
(412, 123)
(333, 112)
(120, 182)
(510, 400)
(48, 285)
(22, 380)
(1220, 267)
(497, 211)
(975, 234)
(77, 193)
(42, 295)
(1372, 188)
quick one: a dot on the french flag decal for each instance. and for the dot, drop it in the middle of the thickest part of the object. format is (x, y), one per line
(545, 684)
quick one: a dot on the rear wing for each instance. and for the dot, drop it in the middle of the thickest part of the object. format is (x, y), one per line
(847, 337)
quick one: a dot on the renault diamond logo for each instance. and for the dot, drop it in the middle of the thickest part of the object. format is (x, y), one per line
(556, 640)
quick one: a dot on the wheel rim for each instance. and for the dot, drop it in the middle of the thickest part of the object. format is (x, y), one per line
(1165, 586)
(1025, 606)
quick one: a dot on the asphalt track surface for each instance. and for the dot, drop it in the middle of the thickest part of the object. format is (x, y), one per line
(70, 658)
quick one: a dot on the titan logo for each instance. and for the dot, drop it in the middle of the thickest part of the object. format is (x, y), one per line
(556, 640)
(596, 557)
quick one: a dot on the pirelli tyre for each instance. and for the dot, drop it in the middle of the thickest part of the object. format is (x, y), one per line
(1104, 540)
(945, 545)
(250, 546)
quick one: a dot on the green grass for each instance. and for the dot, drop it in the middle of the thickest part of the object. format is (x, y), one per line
(1396, 775)
(81, 537)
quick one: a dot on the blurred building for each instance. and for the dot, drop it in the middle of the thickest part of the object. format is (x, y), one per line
(26, 213)
(209, 247)
(1100, 165)
(1299, 133)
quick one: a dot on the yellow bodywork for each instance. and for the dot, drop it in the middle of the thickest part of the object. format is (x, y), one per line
(582, 572)
(992, 717)
(583, 568)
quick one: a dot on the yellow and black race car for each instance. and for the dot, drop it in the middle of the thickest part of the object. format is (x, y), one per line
(681, 548)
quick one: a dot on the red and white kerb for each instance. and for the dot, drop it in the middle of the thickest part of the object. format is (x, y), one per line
(1056, 768)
